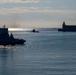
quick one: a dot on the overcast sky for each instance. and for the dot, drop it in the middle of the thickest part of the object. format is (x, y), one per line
(37, 13)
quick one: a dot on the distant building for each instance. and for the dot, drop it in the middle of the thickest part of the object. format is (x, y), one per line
(69, 28)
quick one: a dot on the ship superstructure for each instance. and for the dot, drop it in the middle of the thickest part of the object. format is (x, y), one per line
(6, 39)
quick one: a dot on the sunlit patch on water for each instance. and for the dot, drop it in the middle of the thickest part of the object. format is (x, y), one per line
(19, 29)
(5, 47)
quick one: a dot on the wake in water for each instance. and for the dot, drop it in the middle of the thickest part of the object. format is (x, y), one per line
(5, 47)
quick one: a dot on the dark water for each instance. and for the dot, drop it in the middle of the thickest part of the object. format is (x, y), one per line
(46, 53)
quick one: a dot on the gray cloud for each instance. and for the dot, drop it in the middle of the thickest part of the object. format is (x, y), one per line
(19, 1)
(47, 10)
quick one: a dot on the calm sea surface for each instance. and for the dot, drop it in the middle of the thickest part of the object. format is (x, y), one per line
(48, 52)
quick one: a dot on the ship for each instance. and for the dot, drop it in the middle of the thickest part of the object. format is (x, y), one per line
(67, 28)
(6, 39)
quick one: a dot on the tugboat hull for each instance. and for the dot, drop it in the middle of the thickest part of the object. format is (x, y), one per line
(12, 42)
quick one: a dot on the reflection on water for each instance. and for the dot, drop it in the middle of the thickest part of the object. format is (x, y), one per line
(6, 58)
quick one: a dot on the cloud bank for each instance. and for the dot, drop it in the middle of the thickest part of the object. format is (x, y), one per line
(37, 13)
(19, 1)
(6, 11)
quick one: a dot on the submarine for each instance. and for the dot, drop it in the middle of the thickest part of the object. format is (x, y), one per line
(34, 31)
(6, 39)
(67, 28)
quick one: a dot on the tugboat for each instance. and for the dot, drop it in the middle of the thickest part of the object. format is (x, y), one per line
(6, 39)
